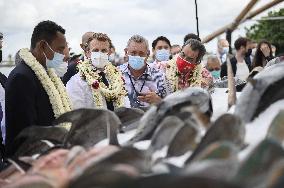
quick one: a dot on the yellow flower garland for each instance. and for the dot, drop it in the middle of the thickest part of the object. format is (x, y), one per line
(172, 75)
(115, 91)
(51, 83)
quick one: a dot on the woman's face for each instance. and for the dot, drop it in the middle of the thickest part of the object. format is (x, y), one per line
(264, 47)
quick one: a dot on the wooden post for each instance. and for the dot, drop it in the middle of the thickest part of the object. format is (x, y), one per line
(229, 39)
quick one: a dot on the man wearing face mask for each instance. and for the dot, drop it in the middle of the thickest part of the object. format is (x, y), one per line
(35, 95)
(98, 84)
(161, 51)
(213, 65)
(222, 50)
(240, 62)
(145, 84)
(185, 69)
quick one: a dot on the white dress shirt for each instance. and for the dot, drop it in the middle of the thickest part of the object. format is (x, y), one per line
(242, 71)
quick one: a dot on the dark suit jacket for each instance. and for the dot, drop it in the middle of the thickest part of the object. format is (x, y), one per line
(27, 104)
(3, 80)
(234, 66)
(71, 71)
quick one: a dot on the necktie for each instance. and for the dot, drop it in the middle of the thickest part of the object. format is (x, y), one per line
(109, 103)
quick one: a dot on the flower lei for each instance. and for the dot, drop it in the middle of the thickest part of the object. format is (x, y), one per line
(173, 75)
(114, 92)
(51, 83)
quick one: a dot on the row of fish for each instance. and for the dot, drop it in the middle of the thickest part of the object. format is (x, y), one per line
(173, 144)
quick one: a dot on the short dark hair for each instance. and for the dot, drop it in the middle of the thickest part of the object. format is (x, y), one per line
(191, 36)
(162, 38)
(242, 41)
(196, 45)
(45, 30)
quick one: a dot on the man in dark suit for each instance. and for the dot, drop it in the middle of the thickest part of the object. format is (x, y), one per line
(27, 102)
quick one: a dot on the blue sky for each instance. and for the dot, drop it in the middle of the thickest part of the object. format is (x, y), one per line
(120, 19)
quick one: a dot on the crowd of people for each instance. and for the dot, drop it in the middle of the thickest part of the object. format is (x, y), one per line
(49, 81)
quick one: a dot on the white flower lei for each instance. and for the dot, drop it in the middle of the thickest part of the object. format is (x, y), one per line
(172, 75)
(115, 91)
(51, 83)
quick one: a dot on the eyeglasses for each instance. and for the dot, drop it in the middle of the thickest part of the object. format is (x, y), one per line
(189, 59)
(214, 69)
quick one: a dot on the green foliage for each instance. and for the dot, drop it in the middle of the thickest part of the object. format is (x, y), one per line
(271, 30)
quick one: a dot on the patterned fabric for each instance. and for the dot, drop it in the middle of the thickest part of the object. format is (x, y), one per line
(207, 78)
(160, 65)
(2, 113)
(152, 80)
(197, 77)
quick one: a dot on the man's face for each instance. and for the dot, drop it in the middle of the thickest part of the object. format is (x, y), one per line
(213, 65)
(137, 49)
(57, 45)
(98, 46)
(222, 44)
(244, 49)
(175, 50)
(189, 55)
(161, 45)
(1, 43)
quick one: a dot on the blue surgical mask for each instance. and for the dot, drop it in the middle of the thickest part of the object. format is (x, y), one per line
(216, 74)
(136, 62)
(56, 63)
(225, 50)
(162, 55)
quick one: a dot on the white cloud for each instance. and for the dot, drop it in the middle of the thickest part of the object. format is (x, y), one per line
(120, 19)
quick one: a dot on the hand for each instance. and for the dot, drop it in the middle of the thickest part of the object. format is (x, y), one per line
(265, 50)
(150, 97)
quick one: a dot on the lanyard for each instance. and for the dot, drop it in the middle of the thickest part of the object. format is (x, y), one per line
(134, 86)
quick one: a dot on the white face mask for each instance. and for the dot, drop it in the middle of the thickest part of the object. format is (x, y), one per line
(56, 63)
(111, 57)
(61, 70)
(99, 59)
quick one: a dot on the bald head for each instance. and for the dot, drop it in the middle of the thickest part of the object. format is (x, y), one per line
(85, 39)
(222, 43)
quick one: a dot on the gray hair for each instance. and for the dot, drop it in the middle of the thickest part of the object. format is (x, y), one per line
(196, 45)
(214, 58)
(138, 39)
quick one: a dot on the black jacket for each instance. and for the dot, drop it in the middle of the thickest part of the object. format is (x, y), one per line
(3, 80)
(234, 66)
(71, 71)
(27, 103)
